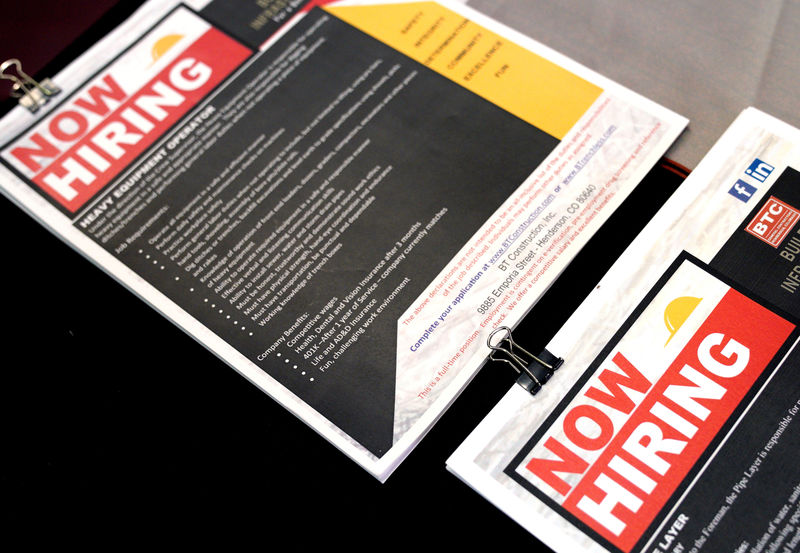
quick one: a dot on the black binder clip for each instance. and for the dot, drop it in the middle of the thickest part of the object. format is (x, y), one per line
(32, 94)
(534, 371)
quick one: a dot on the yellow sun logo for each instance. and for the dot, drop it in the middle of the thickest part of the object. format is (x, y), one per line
(163, 45)
(677, 312)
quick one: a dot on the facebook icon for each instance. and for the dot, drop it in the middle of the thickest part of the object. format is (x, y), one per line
(742, 190)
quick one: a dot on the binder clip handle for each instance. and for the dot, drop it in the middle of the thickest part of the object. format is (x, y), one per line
(534, 371)
(31, 93)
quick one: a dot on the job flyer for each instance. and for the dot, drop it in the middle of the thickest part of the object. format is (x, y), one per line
(339, 201)
(670, 426)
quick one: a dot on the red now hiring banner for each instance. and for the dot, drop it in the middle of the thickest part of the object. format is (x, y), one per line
(629, 438)
(89, 140)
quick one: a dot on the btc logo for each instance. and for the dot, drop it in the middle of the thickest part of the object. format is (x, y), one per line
(773, 221)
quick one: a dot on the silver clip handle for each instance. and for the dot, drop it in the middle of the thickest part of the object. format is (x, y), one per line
(31, 93)
(513, 353)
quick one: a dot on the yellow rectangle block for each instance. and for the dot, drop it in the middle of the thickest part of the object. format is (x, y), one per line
(523, 83)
